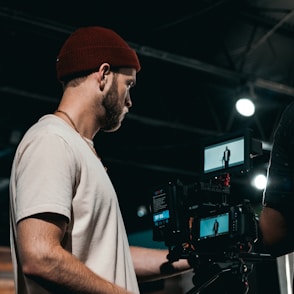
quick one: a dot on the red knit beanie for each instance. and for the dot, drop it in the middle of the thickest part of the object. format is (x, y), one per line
(87, 48)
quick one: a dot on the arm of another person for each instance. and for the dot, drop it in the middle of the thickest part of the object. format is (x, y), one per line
(273, 226)
(45, 261)
(276, 235)
(152, 264)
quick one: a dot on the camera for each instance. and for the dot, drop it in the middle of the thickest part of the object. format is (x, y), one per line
(199, 217)
(213, 229)
(223, 228)
(206, 223)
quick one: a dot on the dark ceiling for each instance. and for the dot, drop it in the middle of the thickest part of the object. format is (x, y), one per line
(196, 57)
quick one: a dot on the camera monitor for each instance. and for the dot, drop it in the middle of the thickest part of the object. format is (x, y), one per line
(214, 226)
(227, 154)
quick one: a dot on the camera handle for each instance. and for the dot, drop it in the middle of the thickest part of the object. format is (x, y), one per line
(234, 276)
(237, 268)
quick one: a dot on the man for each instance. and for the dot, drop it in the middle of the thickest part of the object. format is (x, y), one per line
(215, 227)
(67, 232)
(276, 219)
(226, 157)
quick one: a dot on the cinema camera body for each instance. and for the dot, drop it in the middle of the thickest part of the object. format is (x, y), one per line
(199, 218)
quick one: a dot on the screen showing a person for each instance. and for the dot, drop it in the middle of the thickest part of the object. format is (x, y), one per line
(224, 155)
(214, 226)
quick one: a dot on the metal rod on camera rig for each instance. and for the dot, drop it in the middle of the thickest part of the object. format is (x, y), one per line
(235, 268)
(208, 282)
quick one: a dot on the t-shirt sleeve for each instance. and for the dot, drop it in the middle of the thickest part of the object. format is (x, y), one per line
(45, 177)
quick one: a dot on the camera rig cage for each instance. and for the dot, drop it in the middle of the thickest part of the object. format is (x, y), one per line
(198, 222)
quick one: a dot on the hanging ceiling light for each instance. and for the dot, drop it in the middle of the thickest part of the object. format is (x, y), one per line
(245, 105)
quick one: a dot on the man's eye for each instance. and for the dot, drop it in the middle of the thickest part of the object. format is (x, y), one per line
(130, 85)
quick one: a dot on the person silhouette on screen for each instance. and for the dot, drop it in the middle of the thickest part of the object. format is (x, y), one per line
(226, 156)
(215, 227)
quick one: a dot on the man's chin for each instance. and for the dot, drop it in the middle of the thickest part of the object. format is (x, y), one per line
(111, 130)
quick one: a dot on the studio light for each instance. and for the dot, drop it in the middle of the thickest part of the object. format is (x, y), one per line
(245, 107)
(259, 182)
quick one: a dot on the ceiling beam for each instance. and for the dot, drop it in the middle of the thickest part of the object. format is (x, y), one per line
(279, 88)
(211, 69)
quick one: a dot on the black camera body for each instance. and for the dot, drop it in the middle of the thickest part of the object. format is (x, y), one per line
(224, 228)
(211, 228)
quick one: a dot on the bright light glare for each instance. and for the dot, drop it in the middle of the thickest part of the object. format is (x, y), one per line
(260, 182)
(245, 107)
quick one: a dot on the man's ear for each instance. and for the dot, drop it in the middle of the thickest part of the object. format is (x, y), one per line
(103, 73)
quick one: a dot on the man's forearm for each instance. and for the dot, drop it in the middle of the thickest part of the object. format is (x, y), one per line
(152, 264)
(62, 272)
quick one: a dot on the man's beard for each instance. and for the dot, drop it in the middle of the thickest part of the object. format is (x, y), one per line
(113, 111)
